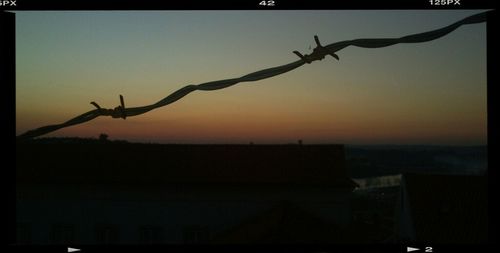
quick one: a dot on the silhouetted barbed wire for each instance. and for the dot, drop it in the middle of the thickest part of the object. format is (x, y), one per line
(318, 53)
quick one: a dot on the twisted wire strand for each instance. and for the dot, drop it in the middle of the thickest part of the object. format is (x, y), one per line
(319, 53)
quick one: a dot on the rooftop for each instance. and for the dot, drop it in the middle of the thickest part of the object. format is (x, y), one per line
(126, 163)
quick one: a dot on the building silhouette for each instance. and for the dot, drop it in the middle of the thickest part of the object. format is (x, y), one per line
(443, 209)
(91, 192)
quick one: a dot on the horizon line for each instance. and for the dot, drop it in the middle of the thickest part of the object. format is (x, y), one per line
(297, 142)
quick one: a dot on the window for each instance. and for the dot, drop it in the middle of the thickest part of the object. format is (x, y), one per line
(63, 233)
(196, 234)
(150, 234)
(107, 234)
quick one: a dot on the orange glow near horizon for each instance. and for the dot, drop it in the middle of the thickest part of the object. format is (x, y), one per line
(428, 93)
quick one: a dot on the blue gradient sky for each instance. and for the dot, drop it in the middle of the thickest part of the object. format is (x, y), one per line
(426, 93)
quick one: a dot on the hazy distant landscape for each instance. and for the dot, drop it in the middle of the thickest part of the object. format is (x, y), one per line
(372, 161)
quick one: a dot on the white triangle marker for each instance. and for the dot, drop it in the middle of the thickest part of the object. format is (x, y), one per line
(410, 249)
(72, 249)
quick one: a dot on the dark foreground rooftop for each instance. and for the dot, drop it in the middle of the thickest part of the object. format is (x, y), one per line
(127, 163)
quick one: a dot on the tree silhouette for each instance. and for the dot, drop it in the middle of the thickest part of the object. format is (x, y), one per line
(103, 137)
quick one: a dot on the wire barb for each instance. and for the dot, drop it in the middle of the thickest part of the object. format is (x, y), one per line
(319, 52)
(96, 105)
(120, 111)
(122, 108)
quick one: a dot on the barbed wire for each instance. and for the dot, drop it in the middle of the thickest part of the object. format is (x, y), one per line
(318, 53)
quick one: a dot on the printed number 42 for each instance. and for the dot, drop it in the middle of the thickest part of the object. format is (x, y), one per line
(267, 3)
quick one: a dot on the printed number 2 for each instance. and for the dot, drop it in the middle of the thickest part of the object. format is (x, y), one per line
(267, 3)
(428, 249)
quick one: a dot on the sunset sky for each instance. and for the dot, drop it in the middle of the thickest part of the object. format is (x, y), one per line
(425, 93)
